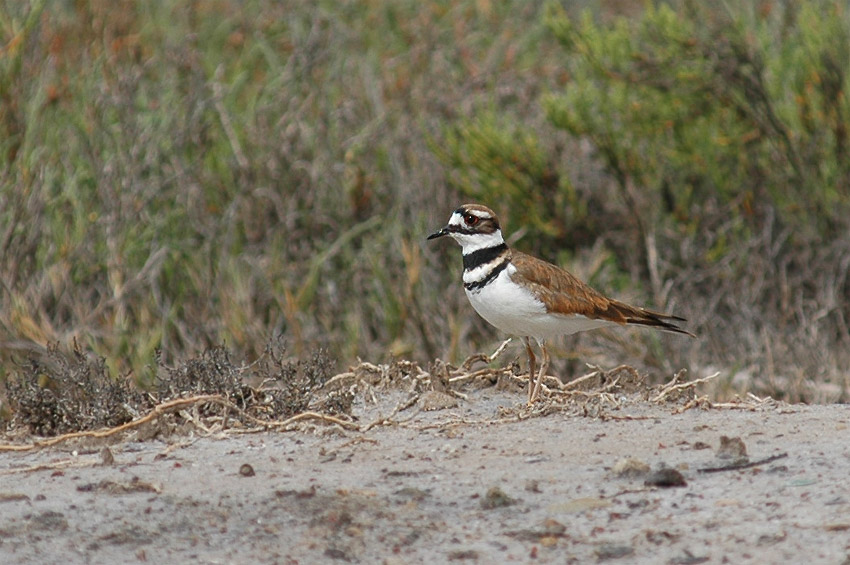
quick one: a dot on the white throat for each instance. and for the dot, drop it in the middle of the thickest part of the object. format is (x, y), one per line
(475, 241)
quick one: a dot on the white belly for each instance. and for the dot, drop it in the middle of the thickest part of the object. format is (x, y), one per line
(516, 311)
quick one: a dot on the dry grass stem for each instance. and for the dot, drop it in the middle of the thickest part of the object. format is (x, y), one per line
(177, 405)
(747, 465)
(158, 411)
(675, 386)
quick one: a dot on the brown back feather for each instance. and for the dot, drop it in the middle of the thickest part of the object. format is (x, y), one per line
(563, 293)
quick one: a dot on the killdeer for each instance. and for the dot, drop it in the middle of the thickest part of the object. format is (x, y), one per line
(527, 297)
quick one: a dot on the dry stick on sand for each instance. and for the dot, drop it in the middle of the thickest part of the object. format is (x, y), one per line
(157, 411)
(736, 466)
(578, 380)
(411, 399)
(467, 365)
(751, 403)
(172, 405)
(674, 385)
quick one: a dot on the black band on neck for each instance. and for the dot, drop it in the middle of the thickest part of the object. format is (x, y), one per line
(478, 285)
(482, 256)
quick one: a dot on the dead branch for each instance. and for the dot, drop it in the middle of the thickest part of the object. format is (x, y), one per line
(157, 411)
(738, 466)
(674, 385)
(178, 404)
(471, 360)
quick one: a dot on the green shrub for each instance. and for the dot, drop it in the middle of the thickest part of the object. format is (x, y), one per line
(703, 108)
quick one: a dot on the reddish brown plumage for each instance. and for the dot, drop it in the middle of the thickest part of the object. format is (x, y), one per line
(563, 293)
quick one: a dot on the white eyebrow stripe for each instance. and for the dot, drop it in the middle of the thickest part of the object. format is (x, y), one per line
(480, 214)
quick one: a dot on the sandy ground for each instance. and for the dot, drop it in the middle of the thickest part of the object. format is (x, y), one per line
(470, 483)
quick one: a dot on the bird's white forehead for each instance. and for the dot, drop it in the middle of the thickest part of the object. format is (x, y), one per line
(456, 219)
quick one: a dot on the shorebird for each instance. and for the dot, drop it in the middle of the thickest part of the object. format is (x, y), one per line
(531, 298)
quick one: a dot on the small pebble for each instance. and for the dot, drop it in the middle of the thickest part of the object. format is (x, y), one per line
(496, 498)
(665, 477)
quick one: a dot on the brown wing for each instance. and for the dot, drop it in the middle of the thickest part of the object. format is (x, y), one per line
(563, 293)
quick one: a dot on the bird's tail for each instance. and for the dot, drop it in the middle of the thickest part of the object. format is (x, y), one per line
(649, 318)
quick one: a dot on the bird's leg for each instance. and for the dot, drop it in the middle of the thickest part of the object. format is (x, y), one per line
(531, 362)
(544, 366)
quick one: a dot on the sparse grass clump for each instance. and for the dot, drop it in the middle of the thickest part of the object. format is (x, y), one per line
(274, 387)
(71, 392)
(67, 392)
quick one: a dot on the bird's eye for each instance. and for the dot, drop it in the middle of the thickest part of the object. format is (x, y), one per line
(471, 219)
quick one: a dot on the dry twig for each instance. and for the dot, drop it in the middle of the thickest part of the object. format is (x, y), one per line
(472, 359)
(738, 466)
(674, 385)
(178, 404)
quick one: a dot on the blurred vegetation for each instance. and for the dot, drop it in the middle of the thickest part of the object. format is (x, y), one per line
(175, 175)
(744, 109)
